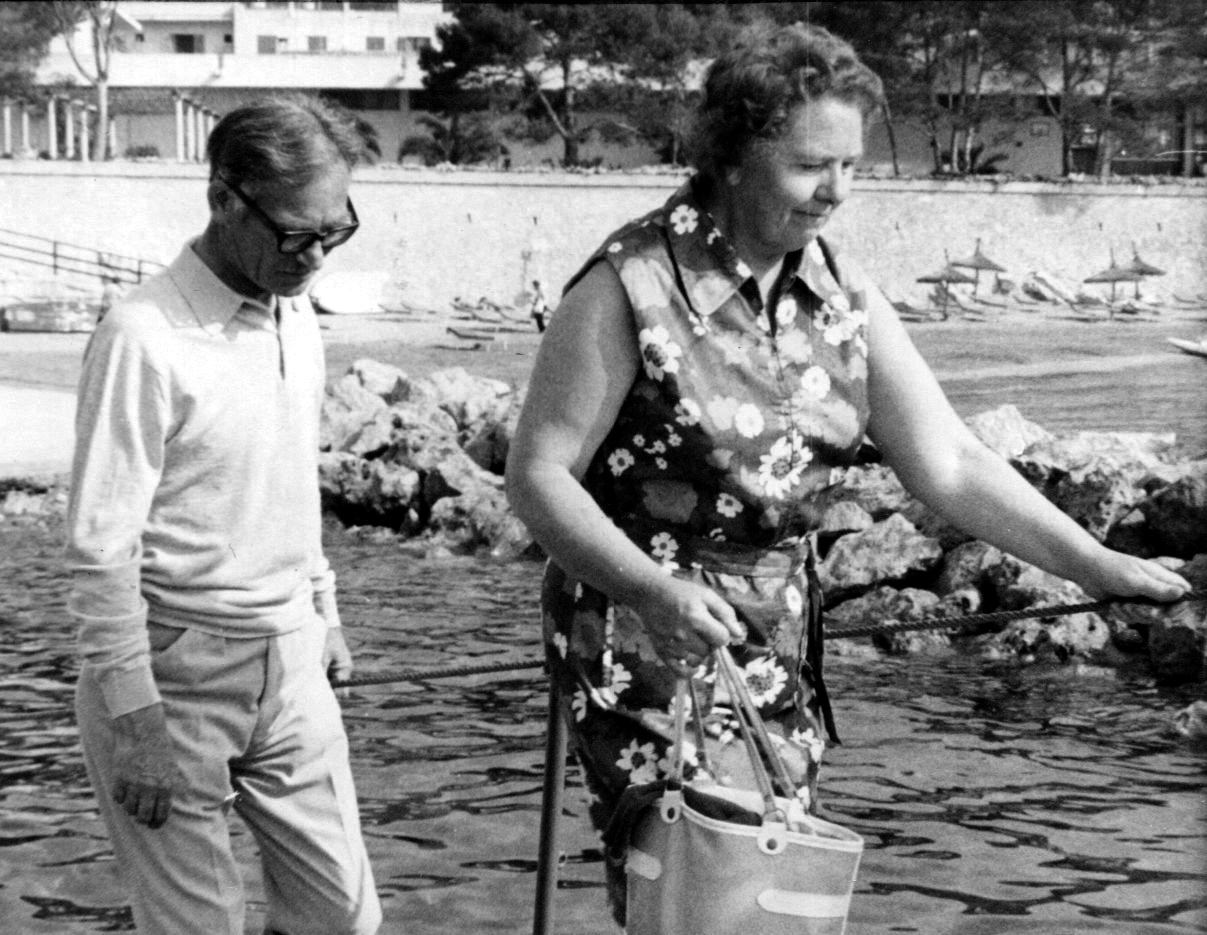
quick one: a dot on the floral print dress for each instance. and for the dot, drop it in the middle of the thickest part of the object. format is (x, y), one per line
(739, 420)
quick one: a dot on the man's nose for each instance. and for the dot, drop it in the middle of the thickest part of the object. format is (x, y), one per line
(313, 255)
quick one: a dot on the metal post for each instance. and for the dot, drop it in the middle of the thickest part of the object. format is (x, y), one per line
(551, 810)
(112, 137)
(8, 127)
(179, 128)
(52, 128)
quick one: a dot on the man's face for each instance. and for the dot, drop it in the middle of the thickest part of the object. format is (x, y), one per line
(250, 247)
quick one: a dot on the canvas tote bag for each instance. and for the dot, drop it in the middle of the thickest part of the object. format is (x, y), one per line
(708, 859)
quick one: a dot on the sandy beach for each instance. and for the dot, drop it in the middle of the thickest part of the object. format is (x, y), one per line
(38, 371)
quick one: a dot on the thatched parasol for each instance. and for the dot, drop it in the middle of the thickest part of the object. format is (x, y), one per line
(977, 262)
(1114, 274)
(948, 274)
(1144, 269)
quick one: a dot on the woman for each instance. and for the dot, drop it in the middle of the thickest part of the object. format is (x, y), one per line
(706, 378)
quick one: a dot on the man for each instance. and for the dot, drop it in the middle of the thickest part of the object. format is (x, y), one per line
(206, 610)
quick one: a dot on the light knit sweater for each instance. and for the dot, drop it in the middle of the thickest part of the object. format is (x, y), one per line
(194, 495)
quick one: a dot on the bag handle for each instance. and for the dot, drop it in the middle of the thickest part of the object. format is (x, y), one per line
(751, 728)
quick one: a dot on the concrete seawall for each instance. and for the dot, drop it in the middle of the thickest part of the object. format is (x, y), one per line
(441, 234)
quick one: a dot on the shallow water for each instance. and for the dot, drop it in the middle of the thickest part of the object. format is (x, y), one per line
(991, 801)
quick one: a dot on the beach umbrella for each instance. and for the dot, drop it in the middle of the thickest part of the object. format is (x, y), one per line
(948, 274)
(1144, 269)
(977, 262)
(1114, 274)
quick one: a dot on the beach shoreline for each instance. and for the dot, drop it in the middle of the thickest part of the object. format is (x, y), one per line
(39, 370)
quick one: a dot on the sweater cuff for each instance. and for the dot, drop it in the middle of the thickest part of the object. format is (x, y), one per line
(327, 608)
(129, 689)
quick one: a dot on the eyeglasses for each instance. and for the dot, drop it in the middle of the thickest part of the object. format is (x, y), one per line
(294, 242)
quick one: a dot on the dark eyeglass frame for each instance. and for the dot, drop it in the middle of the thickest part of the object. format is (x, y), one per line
(293, 242)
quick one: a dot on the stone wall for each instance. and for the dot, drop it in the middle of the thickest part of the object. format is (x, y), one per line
(442, 234)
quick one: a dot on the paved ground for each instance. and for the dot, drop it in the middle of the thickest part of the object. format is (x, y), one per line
(36, 432)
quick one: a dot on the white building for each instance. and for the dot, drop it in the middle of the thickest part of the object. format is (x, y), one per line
(364, 55)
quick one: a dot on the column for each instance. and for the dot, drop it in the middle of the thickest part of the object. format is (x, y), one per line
(69, 129)
(85, 135)
(188, 131)
(26, 148)
(112, 143)
(179, 102)
(52, 128)
(8, 128)
(198, 136)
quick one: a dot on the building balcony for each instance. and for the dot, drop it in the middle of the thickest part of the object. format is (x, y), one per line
(388, 71)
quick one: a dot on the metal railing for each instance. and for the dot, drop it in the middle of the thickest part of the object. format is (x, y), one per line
(68, 258)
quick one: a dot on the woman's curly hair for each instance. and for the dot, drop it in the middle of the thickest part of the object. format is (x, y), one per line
(751, 90)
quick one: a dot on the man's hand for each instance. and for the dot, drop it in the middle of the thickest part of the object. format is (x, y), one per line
(337, 659)
(145, 774)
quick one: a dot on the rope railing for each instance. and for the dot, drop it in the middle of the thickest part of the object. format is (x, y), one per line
(964, 621)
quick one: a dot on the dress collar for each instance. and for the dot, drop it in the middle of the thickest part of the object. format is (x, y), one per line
(711, 270)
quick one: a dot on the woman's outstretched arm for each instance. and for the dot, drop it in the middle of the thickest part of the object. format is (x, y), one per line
(941, 462)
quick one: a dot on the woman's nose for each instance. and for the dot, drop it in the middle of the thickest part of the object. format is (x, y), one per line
(835, 184)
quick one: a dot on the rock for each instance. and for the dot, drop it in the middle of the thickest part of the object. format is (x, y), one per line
(965, 567)
(843, 517)
(471, 401)
(481, 519)
(875, 488)
(1176, 643)
(886, 605)
(391, 384)
(890, 551)
(930, 523)
(1094, 476)
(1177, 514)
(376, 492)
(1006, 431)
(1021, 586)
(347, 405)
(1191, 722)
(394, 432)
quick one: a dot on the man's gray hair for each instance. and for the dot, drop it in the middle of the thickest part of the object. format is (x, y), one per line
(290, 138)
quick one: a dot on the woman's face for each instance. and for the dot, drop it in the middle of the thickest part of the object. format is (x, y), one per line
(785, 190)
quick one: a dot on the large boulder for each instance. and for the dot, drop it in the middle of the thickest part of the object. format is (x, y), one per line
(1095, 477)
(1006, 431)
(892, 551)
(886, 606)
(363, 492)
(966, 566)
(1177, 514)
(477, 520)
(875, 488)
(472, 401)
(347, 406)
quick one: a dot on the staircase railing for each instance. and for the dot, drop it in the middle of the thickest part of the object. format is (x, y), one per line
(69, 258)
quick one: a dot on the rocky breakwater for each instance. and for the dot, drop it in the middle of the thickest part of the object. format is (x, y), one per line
(424, 458)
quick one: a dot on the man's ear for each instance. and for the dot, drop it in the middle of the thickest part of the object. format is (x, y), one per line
(218, 196)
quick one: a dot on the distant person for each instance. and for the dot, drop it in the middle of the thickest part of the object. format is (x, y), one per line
(110, 294)
(708, 375)
(540, 306)
(206, 608)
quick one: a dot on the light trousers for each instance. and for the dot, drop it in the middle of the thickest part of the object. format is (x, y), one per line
(256, 727)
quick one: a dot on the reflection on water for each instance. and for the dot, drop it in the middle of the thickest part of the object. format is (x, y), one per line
(992, 801)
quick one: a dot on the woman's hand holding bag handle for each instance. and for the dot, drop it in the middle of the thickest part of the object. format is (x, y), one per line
(710, 859)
